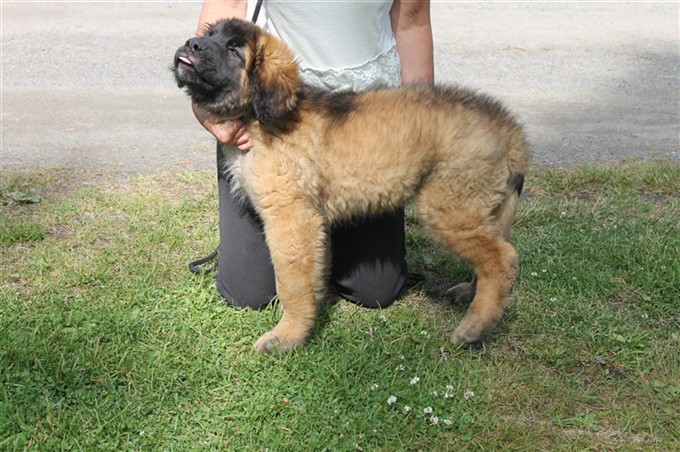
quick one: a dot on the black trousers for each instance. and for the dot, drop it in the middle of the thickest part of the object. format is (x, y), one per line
(368, 264)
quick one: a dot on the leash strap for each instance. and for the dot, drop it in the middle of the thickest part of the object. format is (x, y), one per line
(195, 267)
(256, 13)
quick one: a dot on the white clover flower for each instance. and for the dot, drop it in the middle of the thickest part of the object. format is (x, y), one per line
(407, 409)
(428, 410)
(447, 421)
(469, 394)
(415, 380)
(434, 420)
(447, 394)
(534, 274)
(391, 400)
(424, 333)
(374, 386)
(401, 367)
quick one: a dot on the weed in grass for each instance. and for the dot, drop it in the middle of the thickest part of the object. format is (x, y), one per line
(109, 343)
(16, 189)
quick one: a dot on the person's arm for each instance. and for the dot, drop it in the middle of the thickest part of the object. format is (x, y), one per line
(413, 32)
(229, 131)
(215, 10)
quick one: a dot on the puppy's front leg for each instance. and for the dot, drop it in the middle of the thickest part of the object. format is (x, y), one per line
(296, 236)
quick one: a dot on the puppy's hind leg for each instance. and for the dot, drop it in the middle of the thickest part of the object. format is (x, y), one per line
(296, 237)
(502, 217)
(472, 236)
(495, 264)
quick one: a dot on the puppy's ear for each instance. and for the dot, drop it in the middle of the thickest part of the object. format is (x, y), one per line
(275, 80)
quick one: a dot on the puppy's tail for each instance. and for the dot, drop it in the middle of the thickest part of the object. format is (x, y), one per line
(518, 163)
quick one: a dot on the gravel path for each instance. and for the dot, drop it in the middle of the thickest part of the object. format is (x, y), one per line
(87, 85)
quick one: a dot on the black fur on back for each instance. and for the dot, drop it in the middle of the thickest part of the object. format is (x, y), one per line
(337, 105)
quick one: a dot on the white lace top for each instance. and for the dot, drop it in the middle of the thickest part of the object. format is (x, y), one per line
(341, 44)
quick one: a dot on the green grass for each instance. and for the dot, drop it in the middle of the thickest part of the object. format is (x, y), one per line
(107, 342)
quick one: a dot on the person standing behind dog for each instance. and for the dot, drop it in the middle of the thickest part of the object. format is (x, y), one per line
(341, 46)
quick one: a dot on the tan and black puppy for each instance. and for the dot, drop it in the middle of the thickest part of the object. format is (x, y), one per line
(322, 158)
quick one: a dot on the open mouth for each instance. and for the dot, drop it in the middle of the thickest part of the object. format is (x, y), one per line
(188, 69)
(181, 59)
(184, 60)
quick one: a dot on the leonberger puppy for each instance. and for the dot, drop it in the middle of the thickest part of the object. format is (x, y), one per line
(320, 158)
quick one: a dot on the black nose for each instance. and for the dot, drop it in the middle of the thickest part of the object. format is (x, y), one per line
(195, 45)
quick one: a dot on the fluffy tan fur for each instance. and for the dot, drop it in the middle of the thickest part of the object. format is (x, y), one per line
(319, 159)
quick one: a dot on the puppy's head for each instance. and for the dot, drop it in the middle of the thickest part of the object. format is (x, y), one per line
(238, 69)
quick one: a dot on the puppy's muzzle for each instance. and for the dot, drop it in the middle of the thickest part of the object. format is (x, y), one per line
(190, 52)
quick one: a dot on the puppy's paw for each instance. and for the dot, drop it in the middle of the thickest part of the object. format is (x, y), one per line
(462, 293)
(269, 343)
(469, 331)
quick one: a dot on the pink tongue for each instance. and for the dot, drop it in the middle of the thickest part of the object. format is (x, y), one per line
(185, 60)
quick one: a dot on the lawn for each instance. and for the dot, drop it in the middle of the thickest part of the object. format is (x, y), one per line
(107, 342)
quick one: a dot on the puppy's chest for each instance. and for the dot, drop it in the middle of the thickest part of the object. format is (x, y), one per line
(261, 172)
(238, 165)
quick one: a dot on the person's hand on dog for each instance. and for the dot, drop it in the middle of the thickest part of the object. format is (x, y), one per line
(229, 131)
